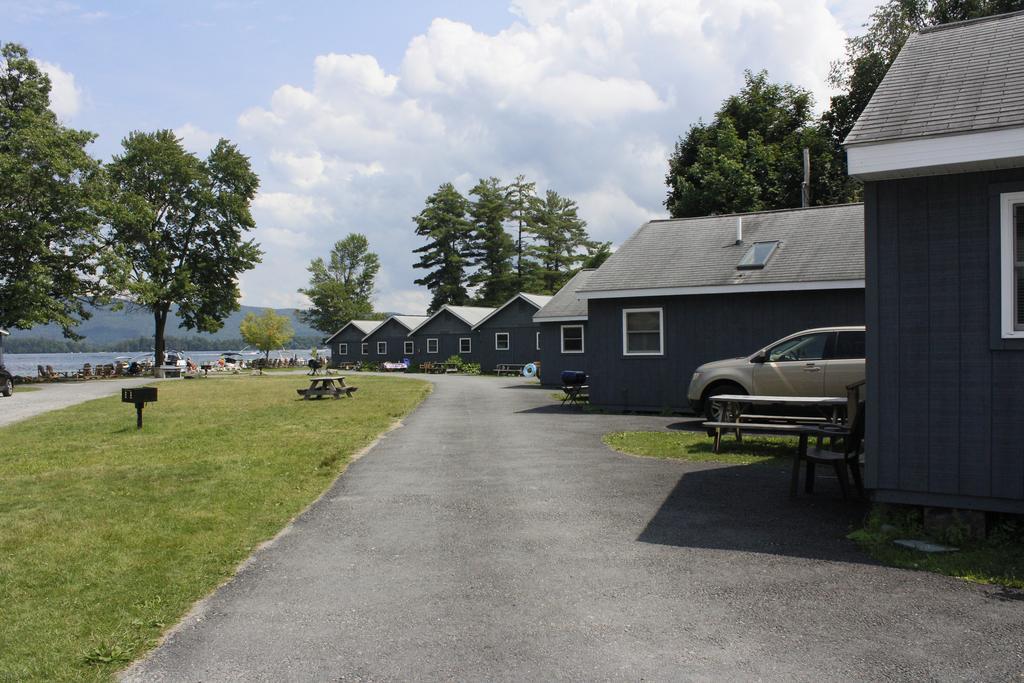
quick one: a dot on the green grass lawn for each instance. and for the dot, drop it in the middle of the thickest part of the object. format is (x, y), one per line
(108, 535)
(22, 388)
(696, 447)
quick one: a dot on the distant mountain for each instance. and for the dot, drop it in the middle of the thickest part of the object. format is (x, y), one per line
(107, 326)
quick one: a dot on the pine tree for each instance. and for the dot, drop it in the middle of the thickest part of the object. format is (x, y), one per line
(449, 246)
(521, 197)
(494, 249)
(562, 242)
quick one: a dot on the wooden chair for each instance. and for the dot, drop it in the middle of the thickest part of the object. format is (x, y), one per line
(87, 370)
(841, 461)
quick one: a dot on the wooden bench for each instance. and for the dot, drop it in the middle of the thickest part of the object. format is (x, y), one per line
(762, 427)
(508, 369)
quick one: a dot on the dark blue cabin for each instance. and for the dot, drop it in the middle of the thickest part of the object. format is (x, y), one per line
(449, 332)
(563, 331)
(346, 343)
(679, 293)
(940, 149)
(508, 335)
(389, 342)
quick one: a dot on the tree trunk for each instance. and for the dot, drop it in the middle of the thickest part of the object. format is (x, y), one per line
(160, 318)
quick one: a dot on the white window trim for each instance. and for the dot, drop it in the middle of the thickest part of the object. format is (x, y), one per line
(538, 342)
(1006, 253)
(385, 351)
(661, 332)
(343, 349)
(436, 346)
(508, 341)
(409, 348)
(583, 340)
(365, 349)
(466, 339)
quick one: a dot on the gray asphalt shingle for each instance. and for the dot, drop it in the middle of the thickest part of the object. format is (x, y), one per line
(566, 303)
(816, 244)
(957, 78)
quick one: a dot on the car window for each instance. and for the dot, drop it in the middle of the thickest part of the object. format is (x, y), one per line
(849, 345)
(804, 347)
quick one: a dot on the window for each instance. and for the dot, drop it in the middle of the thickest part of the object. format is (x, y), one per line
(849, 345)
(1012, 270)
(501, 341)
(382, 348)
(572, 338)
(343, 349)
(365, 348)
(431, 346)
(758, 254)
(465, 345)
(538, 341)
(409, 348)
(642, 332)
(804, 347)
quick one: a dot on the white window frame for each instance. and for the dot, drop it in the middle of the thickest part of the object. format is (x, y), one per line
(433, 342)
(365, 348)
(385, 346)
(343, 348)
(469, 340)
(538, 342)
(408, 348)
(661, 332)
(583, 335)
(1009, 326)
(508, 341)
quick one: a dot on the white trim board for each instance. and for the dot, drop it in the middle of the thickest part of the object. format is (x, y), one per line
(937, 155)
(721, 289)
(561, 319)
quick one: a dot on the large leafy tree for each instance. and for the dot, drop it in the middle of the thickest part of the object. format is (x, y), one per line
(493, 249)
(520, 197)
(267, 331)
(180, 224)
(870, 54)
(562, 243)
(750, 156)
(341, 288)
(51, 193)
(449, 249)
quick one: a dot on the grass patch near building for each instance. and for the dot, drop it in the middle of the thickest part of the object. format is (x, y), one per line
(697, 447)
(22, 388)
(997, 559)
(108, 535)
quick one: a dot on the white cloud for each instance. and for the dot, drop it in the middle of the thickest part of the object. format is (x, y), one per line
(65, 95)
(585, 96)
(195, 139)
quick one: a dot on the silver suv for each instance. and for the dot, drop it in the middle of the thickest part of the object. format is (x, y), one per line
(819, 362)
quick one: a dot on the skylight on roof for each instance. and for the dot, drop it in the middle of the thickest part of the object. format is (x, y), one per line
(758, 254)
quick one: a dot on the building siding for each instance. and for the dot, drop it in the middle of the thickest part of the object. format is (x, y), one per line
(944, 419)
(353, 336)
(394, 333)
(553, 361)
(517, 320)
(699, 329)
(447, 329)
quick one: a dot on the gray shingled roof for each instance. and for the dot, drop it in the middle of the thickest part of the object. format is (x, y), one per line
(956, 78)
(364, 326)
(817, 244)
(566, 303)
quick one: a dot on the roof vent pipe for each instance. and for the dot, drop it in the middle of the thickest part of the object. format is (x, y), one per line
(739, 229)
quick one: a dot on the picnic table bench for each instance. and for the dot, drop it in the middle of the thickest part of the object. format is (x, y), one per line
(736, 421)
(320, 387)
(509, 369)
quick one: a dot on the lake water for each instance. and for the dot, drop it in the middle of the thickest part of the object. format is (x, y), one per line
(25, 363)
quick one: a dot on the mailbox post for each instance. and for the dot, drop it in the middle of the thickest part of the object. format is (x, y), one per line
(140, 396)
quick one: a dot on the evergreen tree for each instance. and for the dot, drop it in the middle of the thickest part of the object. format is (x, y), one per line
(521, 196)
(561, 244)
(449, 247)
(493, 249)
(341, 288)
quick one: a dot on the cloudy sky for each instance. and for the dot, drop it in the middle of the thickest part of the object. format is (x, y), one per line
(354, 112)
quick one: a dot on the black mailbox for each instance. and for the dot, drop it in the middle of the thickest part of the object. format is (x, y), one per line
(140, 396)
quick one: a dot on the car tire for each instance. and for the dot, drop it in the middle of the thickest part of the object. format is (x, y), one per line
(726, 388)
(6, 386)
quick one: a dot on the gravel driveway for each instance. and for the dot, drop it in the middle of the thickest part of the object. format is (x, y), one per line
(494, 537)
(58, 395)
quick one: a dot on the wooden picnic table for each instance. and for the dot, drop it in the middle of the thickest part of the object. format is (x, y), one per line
(830, 409)
(509, 369)
(319, 387)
